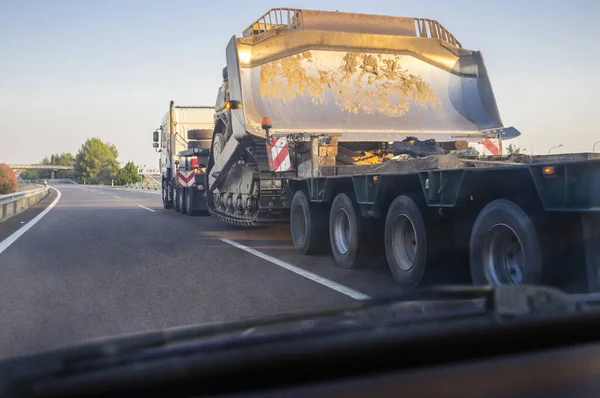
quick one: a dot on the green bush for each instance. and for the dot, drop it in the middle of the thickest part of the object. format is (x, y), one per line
(8, 179)
(30, 174)
(128, 174)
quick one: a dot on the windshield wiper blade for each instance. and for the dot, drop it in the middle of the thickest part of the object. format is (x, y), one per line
(503, 300)
(527, 300)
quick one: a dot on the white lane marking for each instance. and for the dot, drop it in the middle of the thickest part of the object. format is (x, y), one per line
(117, 197)
(144, 207)
(101, 193)
(302, 272)
(17, 234)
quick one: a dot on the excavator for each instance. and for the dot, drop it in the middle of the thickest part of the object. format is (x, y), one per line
(356, 83)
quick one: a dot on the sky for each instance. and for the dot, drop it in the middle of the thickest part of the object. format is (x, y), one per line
(70, 70)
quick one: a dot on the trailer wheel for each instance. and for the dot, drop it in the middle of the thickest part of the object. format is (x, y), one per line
(406, 244)
(167, 195)
(347, 232)
(308, 225)
(182, 199)
(504, 246)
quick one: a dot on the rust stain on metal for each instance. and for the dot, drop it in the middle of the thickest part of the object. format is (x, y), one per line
(366, 83)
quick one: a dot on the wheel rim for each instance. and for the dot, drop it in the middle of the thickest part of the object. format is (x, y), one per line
(342, 231)
(299, 224)
(165, 196)
(503, 256)
(404, 242)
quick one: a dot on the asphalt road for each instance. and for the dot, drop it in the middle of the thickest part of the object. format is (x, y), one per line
(107, 261)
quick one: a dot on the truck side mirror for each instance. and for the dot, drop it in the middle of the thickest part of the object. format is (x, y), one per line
(155, 138)
(155, 145)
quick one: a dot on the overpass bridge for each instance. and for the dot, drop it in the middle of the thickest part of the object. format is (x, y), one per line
(53, 168)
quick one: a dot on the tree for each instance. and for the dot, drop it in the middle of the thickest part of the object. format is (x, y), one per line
(128, 174)
(513, 150)
(96, 162)
(30, 174)
(62, 159)
(8, 179)
(105, 176)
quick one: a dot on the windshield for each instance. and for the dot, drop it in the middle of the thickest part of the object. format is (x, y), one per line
(174, 164)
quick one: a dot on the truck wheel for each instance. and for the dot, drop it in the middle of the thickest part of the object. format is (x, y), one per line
(189, 201)
(347, 232)
(182, 200)
(166, 194)
(406, 245)
(176, 198)
(504, 246)
(308, 225)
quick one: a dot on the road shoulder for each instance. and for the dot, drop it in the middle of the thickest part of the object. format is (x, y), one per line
(11, 225)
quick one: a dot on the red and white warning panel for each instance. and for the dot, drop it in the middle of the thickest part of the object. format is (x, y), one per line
(279, 154)
(488, 147)
(186, 178)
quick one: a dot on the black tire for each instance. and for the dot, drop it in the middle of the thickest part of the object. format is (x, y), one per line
(204, 144)
(176, 201)
(347, 233)
(182, 200)
(199, 134)
(406, 243)
(309, 225)
(505, 247)
(189, 201)
(167, 195)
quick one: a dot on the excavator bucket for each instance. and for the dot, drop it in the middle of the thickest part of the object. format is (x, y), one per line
(361, 77)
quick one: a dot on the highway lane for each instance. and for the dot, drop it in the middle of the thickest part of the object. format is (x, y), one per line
(106, 261)
(276, 241)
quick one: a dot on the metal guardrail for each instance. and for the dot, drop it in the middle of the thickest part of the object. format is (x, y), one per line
(148, 186)
(14, 203)
(13, 197)
(49, 181)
